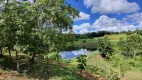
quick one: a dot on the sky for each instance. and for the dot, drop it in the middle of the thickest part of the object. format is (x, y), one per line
(107, 15)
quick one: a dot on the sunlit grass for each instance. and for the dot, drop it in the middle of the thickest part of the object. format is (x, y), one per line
(113, 38)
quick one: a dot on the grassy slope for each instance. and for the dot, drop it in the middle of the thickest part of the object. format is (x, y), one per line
(97, 60)
(116, 37)
(113, 38)
(40, 71)
(94, 59)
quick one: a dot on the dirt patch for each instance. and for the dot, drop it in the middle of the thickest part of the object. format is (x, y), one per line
(90, 76)
(133, 75)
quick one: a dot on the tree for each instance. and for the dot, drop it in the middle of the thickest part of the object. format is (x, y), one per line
(131, 46)
(136, 43)
(82, 61)
(8, 27)
(54, 14)
(124, 47)
(105, 47)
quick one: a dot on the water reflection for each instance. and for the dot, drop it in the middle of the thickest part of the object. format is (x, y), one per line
(74, 53)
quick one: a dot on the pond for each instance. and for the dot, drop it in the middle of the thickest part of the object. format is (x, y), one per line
(75, 53)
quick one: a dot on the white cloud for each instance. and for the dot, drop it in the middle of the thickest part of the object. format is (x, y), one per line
(104, 23)
(111, 6)
(82, 16)
(140, 25)
(135, 17)
(83, 28)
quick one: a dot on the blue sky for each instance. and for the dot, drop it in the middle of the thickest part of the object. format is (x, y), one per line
(108, 15)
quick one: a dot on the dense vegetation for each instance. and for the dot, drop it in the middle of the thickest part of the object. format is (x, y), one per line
(32, 32)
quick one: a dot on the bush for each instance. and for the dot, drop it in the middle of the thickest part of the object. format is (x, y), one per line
(82, 61)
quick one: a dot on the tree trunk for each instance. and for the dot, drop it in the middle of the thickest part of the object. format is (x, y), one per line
(123, 75)
(17, 62)
(81, 71)
(0, 52)
(9, 53)
(33, 57)
(141, 56)
(119, 70)
(135, 54)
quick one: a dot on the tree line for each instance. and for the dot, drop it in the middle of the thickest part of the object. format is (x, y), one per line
(102, 33)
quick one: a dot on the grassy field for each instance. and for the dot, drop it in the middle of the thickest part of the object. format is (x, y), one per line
(113, 38)
(116, 37)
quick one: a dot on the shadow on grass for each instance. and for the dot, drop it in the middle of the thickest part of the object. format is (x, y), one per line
(45, 71)
(6, 64)
(42, 70)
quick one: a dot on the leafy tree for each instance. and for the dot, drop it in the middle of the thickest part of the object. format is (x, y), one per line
(9, 26)
(124, 47)
(131, 46)
(53, 14)
(136, 43)
(82, 61)
(105, 47)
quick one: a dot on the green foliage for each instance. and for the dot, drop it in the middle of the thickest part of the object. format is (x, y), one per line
(105, 47)
(129, 32)
(84, 41)
(120, 62)
(35, 29)
(131, 46)
(53, 56)
(82, 61)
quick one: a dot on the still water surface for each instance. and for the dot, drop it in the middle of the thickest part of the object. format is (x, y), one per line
(75, 53)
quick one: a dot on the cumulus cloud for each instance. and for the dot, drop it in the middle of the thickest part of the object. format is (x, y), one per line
(104, 23)
(111, 6)
(140, 25)
(83, 28)
(82, 16)
(135, 17)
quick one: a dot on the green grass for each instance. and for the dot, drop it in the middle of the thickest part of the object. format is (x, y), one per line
(55, 71)
(41, 70)
(87, 41)
(113, 38)
(116, 37)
